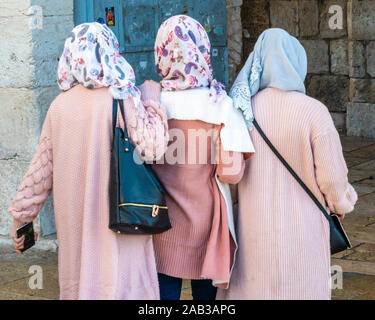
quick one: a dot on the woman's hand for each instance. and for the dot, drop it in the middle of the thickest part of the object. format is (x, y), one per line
(19, 242)
(341, 216)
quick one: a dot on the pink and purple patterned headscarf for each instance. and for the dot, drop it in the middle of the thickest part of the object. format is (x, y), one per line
(182, 57)
(91, 57)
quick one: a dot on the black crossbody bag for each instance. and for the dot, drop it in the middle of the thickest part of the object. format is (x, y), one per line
(137, 201)
(338, 238)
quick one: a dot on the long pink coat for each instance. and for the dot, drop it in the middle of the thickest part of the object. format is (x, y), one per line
(283, 237)
(199, 245)
(73, 159)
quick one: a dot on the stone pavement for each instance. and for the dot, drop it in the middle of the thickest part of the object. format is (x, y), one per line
(358, 263)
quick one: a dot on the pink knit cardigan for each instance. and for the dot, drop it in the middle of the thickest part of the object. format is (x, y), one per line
(283, 237)
(73, 160)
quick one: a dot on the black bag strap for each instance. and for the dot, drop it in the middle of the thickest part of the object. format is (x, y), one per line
(293, 173)
(114, 116)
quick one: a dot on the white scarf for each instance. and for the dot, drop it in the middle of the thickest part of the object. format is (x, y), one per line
(195, 104)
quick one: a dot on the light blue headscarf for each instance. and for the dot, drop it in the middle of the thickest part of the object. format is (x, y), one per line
(278, 60)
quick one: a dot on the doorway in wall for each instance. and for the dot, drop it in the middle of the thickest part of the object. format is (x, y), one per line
(135, 23)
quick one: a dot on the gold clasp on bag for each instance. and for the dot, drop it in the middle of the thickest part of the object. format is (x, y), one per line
(155, 208)
(155, 211)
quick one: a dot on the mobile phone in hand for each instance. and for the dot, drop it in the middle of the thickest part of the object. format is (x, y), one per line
(27, 230)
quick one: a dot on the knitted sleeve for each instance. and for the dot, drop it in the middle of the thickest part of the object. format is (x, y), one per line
(37, 183)
(147, 124)
(331, 173)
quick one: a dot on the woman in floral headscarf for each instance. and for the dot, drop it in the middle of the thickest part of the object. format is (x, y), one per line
(73, 159)
(284, 242)
(201, 244)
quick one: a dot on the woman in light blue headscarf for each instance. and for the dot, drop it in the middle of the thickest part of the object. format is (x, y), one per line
(278, 61)
(284, 247)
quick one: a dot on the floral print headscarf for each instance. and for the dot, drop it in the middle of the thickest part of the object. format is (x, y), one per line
(182, 57)
(91, 57)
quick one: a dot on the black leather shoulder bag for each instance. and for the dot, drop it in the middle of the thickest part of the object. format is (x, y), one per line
(137, 201)
(338, 238)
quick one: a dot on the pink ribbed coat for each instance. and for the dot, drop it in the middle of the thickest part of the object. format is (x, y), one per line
(73, 159)
(199, 245)
(283, 237)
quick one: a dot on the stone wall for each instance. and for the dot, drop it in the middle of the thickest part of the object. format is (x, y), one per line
(31, 37)
(340, 52)
(234, 34)
(361, 35)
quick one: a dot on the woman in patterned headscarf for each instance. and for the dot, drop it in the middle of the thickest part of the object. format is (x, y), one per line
(183, 60)
(73, 159)
(201, 244)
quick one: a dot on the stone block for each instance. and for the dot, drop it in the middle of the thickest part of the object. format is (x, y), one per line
(15, 52)
(47, 49)
(284, 14)
(19, 122)
(308, 18)
(362, 90)
(22, 114)
(54, 7)
(234, 32)
(357, 59)
(339, 57)
(248, 47)
(339, 119)
(254, 31)
(330, 90)
(370, 53)
(233, 3)
(45, 46)
(11, 173)
(361, 21)
(14, 8)
(331, 11)
(255, 12)
(20, 125)
(361, 120)
(317, 55)
(44, 97)
(45, 72)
